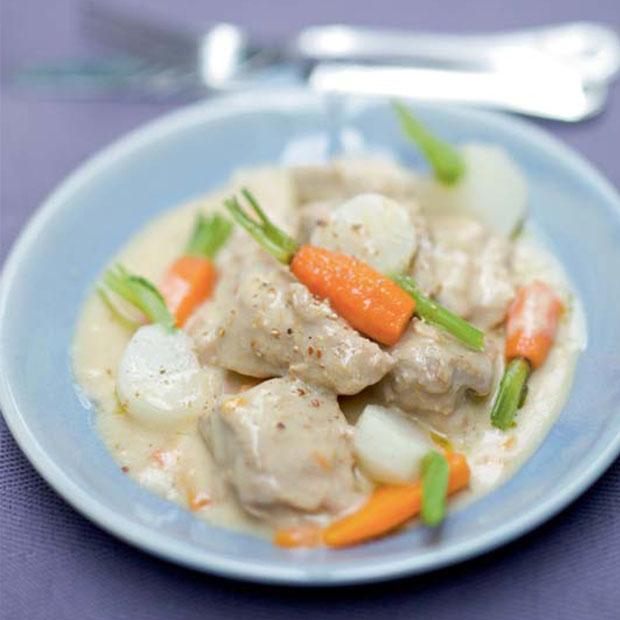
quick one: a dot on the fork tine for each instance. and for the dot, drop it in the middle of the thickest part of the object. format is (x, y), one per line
(131, 24)
(145, 38)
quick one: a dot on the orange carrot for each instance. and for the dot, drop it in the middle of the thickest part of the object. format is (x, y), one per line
(389, 507)
(301, 536)
(188, 282)
(191, 278)
(377, 306)
(370, 302)
(197, 499)
(532, 323)
(530, 331)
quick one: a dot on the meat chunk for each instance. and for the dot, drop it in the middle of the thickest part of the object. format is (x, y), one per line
(345, 178)
(272, 326)
(275, 191)
(314, 215)
(423, 267)
(284, 447)
(493, 288)
(433, 371)
(468, 270)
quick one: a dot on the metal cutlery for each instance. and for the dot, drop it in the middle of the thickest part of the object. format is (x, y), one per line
(547, 94)
(559, 71)
(591, 50)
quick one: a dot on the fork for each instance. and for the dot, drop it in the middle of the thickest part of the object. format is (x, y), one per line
(220, 58)
(592, 50)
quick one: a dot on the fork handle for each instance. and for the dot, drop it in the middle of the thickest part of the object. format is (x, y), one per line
(590, 49)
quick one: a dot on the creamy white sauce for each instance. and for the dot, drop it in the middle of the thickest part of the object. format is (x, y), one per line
(175, 464)
(495, 455)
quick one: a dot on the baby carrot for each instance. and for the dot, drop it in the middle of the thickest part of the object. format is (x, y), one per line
(377, 306)
(532, 322)
(389, 507)
(138, 292)
(530, 331)
(191, 278)
(369, 301)
(187, 283)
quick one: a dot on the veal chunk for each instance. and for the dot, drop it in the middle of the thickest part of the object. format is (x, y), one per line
(345, 178)
(433, 371)
(272, 326)
(467, 269)
(284, 447)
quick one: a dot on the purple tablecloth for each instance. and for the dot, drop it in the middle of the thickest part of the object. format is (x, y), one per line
(55, 565)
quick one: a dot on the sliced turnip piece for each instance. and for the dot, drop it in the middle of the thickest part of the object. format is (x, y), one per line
(160, 381)
(493, 190)
(389, 446)
(373, 228)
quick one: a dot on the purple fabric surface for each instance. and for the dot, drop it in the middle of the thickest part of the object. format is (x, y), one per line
(54, 564)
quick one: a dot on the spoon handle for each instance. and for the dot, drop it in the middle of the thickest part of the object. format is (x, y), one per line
(591, 50)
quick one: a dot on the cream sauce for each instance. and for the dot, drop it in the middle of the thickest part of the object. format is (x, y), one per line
(175, 463)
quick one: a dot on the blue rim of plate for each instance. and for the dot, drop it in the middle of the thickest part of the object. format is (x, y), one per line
(184, 553)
